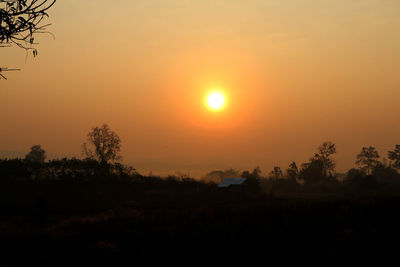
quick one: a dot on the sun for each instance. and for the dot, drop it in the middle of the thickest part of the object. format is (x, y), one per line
(215, 101)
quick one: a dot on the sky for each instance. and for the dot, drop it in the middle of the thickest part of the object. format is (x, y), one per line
(295, 73)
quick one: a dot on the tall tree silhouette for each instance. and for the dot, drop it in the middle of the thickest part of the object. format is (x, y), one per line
(395, 157)
(367, 159)
(325, 151)
(102, 144)
(293, 171)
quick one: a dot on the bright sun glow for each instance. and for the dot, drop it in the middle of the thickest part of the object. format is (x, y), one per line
(215, 101)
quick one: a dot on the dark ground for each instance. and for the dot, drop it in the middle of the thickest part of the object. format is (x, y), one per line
(62, 223)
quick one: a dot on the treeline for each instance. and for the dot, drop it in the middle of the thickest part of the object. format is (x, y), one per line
(101, 153)
(63, 169)
(319, 174)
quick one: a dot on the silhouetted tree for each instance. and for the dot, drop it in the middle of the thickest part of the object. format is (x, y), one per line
(102, 144)
(292, 172)
(395, 157)
(358, 180)
(312, 172)
(37, 154)
(368, 159)
(353, 174)
(320, 166)
(256, 172)
(276, 173)
(278, 182)
(385, 174)
(253, 179)
(325, 151)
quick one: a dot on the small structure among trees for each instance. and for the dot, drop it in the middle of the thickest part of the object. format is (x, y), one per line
(233, 184)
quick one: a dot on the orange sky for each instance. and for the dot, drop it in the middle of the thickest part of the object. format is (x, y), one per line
(295, 73)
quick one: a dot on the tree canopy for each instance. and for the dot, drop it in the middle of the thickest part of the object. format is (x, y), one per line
(367, 159)
(102, 144)
(37, 154)
(394, 155)
(325, 150)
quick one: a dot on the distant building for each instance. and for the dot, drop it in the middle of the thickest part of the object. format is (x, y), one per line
(233, 184)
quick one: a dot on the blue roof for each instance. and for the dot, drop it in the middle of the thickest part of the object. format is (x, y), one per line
(232, 181)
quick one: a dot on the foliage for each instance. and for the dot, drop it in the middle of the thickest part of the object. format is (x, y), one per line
(102, 144)
(37, 154)
(253, 179)
(276, 173)
(395, 157)
(64, 169)
(325, 151)
(312, 172)
(320, 167)
(367, 159)
(353, 173)
(292, 172)
(309, 179)
(358, 180)
(385, 174)
(21, 20)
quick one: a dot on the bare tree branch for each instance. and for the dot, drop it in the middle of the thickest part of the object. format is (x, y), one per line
(21, 21)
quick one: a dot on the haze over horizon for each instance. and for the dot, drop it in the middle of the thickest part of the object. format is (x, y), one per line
(295, 74)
